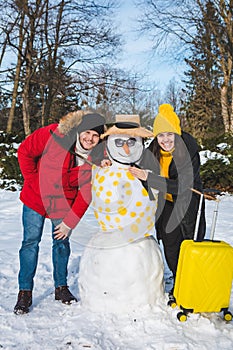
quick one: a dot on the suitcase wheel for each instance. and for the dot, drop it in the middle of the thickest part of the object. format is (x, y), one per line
(182, 317)
(227, 316)
(172, 303)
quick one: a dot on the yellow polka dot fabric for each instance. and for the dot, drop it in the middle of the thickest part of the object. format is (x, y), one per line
(121, 204)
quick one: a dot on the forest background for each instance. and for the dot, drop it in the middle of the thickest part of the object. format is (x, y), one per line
(61, 56)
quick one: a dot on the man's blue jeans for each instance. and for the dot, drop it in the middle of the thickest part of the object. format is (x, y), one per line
(33, 224)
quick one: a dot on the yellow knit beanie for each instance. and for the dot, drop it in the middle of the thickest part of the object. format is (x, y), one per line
(166, 120)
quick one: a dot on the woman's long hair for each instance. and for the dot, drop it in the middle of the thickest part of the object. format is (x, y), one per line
(180, 154)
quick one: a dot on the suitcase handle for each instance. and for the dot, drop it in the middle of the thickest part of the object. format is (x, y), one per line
(198, 216)
(215, 213)
(214, 220)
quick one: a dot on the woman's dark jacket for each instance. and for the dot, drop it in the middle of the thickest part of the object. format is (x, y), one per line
(184, 174)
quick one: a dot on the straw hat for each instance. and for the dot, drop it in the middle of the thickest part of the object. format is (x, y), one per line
(128, 124)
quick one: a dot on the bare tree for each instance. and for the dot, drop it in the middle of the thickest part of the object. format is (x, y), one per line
(172, 26)
(223, 37)
(173, 94)
(46, 33)
(17, 72)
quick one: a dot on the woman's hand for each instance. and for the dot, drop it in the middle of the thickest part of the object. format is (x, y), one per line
(139, 173)
(62, 231)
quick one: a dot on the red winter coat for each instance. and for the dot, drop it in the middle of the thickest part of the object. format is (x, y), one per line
(53, 185)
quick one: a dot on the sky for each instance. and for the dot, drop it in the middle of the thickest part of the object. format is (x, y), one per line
(137, 50)
(52, 325)
(136, 54)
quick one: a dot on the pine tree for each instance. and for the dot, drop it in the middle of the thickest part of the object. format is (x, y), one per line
(202, 105)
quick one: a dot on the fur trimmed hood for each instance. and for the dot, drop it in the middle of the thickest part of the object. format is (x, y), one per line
(74, 123)
(79, 121)
(71, 121)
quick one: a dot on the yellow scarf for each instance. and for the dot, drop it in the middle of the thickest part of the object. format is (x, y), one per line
(165, 161)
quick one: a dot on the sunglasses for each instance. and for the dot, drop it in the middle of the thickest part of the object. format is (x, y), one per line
(130, 142)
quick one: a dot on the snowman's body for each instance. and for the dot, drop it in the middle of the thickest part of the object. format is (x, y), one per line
(122, 267)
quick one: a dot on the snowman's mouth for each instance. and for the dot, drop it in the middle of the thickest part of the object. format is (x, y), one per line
(124, 155)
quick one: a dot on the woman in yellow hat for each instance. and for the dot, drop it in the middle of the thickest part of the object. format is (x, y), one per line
(172, 166)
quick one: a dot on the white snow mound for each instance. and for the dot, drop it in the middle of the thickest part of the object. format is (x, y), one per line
(115, 277)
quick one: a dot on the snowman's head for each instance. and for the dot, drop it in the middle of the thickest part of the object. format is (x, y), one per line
(125, 149)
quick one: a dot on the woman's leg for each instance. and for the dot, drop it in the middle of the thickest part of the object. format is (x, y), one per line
(171, 240)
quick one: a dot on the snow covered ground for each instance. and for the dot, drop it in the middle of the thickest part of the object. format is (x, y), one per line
(52, 325)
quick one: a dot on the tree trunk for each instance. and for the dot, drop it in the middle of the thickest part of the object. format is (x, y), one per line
(224, 104)
(17, 76)
(42, 106)
(231, 113)
(26, 108)
(14, 96)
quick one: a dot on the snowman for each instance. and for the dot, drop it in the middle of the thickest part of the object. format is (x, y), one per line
(121, 269)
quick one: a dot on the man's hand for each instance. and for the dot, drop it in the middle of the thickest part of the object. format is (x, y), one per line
(105, 163)
(62, 231)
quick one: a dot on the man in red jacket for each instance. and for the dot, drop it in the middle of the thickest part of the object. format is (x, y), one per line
(57, 185)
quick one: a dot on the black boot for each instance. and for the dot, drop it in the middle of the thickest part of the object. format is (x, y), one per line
(170, 293)
(171, 299)
(24, 302)
(62, 293)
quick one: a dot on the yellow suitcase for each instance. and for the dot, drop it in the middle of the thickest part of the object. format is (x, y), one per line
(204, 276)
